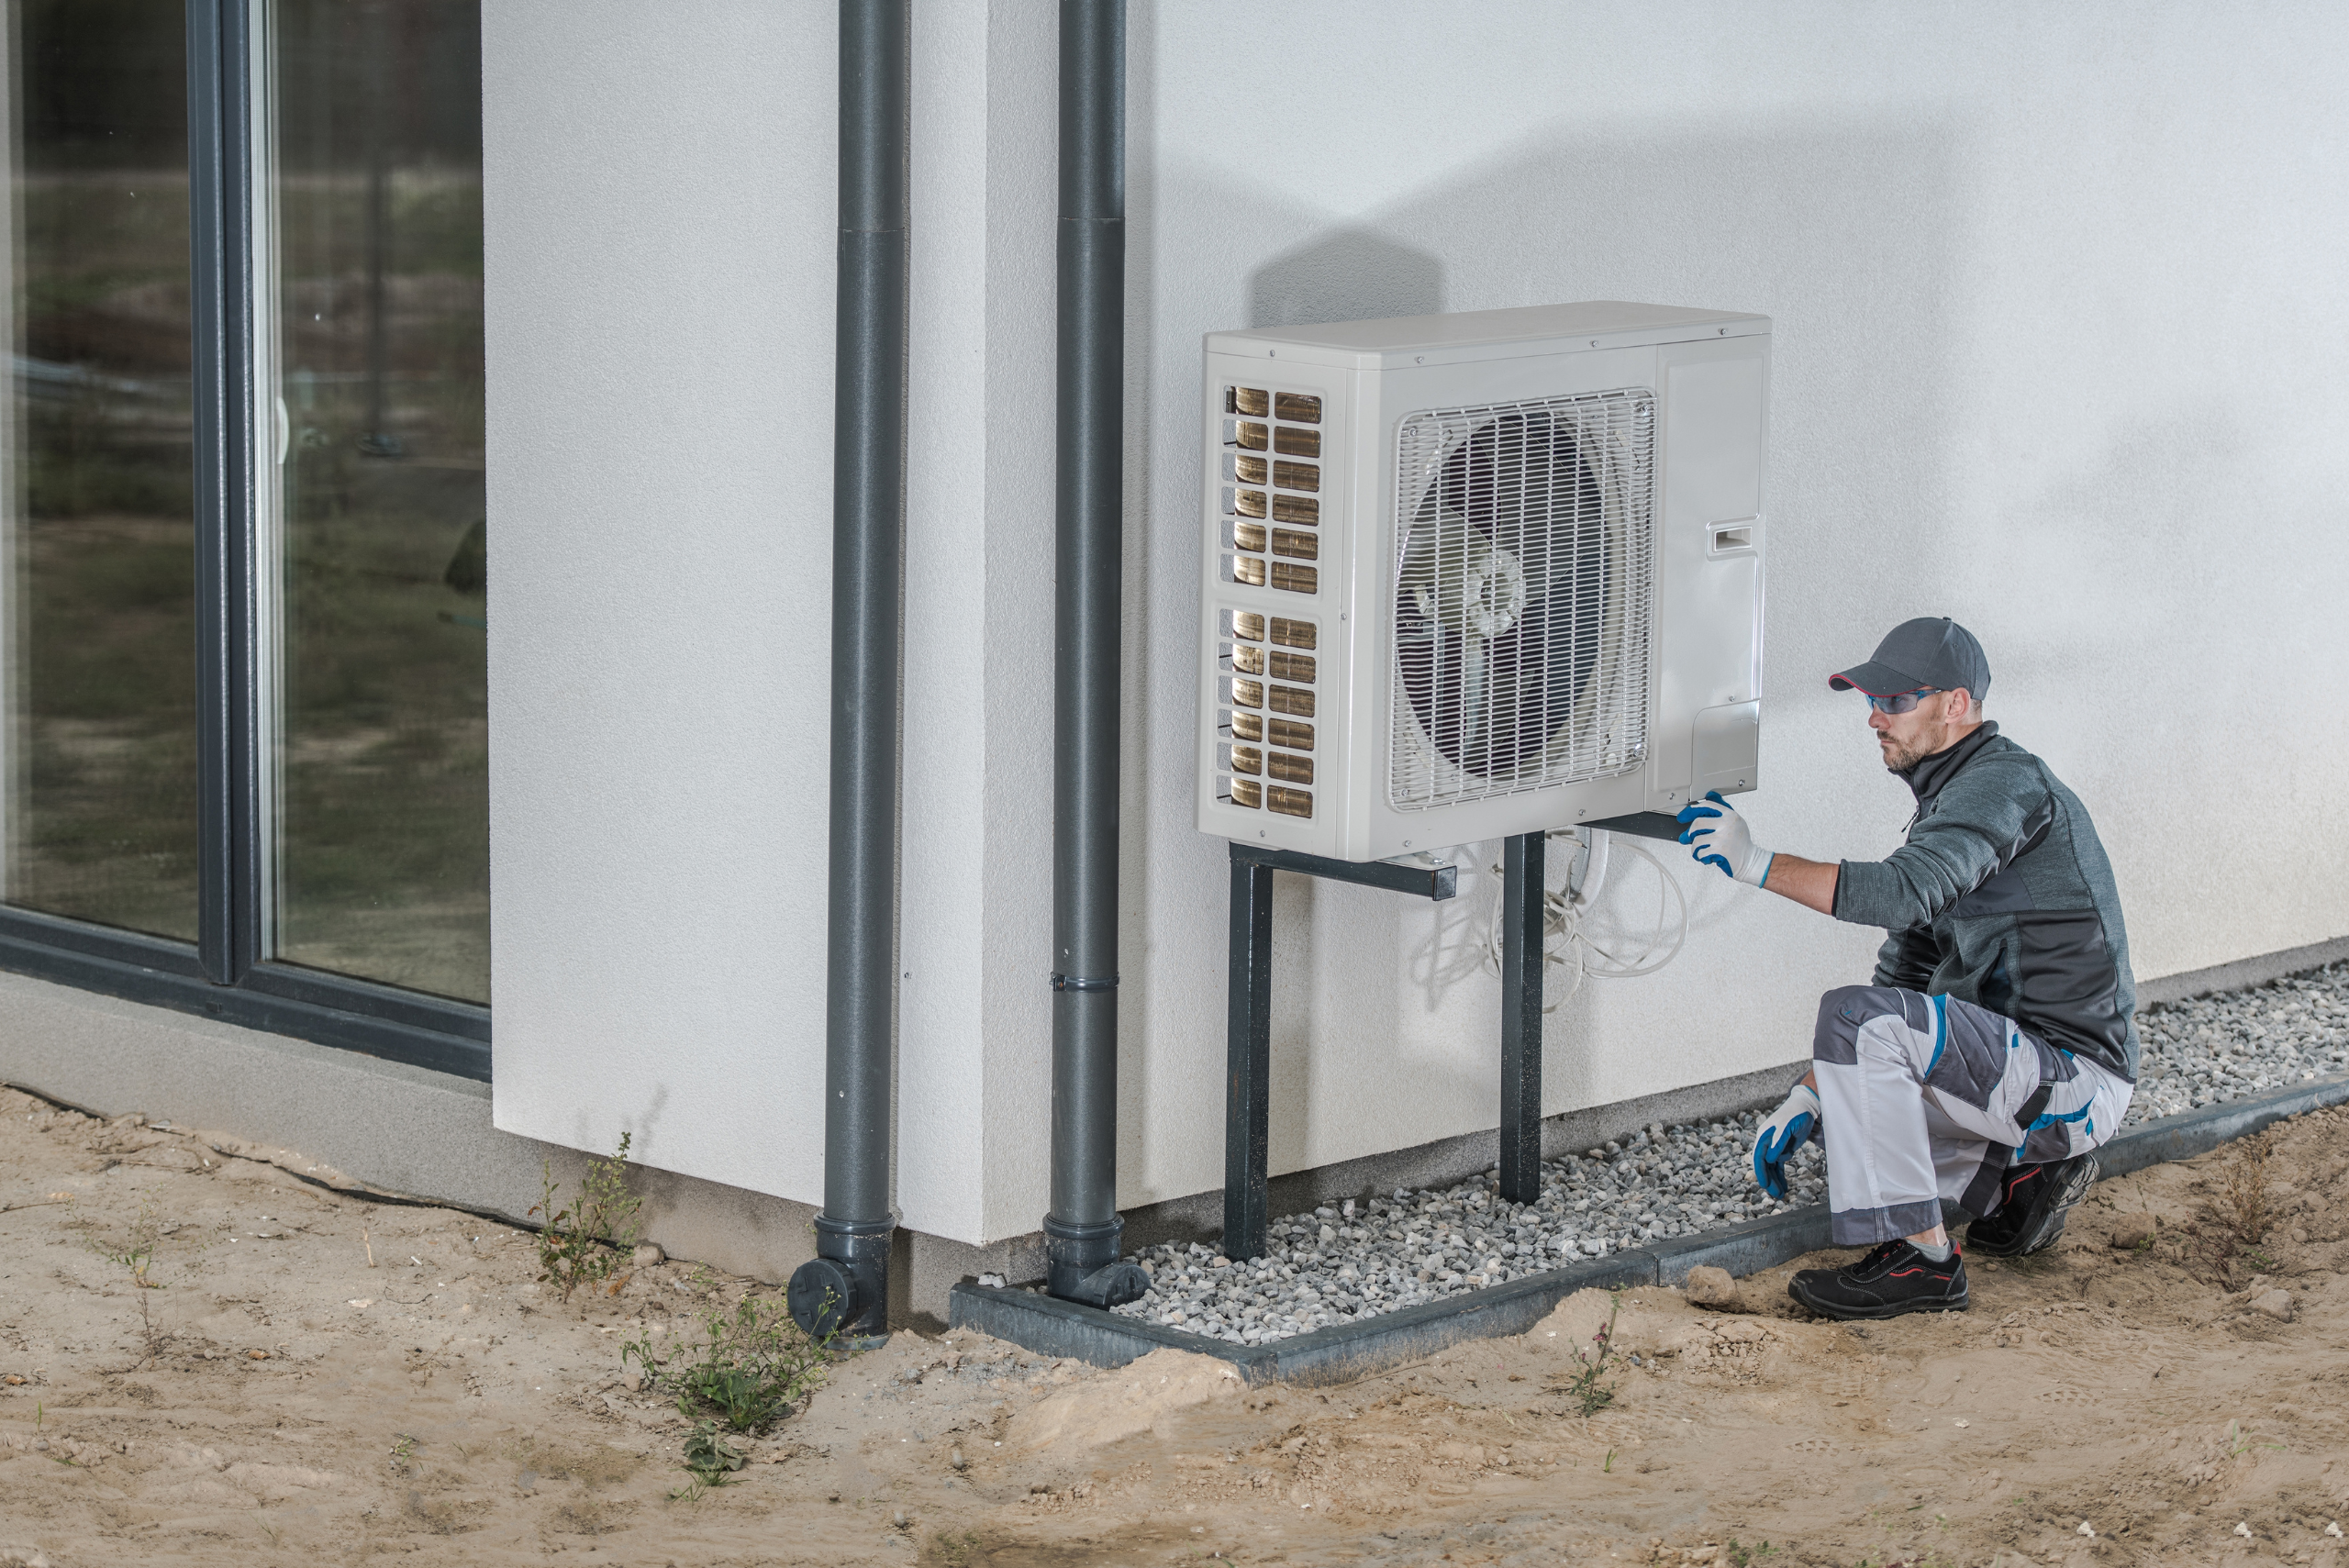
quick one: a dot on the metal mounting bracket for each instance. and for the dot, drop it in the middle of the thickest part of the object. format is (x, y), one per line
(1249, 1020)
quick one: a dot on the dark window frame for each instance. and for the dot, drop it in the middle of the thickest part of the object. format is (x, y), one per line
(223, 974)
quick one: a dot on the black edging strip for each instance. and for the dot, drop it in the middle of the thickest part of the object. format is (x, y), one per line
(1347, 1350)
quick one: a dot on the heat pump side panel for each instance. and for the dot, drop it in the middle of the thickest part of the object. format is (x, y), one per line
(1275, 526)
(1712, 543)
(1386, 830)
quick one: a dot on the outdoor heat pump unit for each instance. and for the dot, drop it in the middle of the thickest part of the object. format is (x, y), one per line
(1481, 575)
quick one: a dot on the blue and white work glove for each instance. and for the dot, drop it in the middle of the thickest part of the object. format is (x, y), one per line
(1717, 836)
(1789, 1127)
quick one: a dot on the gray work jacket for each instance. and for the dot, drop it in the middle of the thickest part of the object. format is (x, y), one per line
(2003, 896)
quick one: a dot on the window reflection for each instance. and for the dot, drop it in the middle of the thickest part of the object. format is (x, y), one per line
(375, 226)
(99, 745)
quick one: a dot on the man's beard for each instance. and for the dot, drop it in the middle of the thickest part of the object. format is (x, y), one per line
(1901, 758)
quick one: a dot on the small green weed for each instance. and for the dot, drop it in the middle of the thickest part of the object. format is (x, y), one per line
(710, 1460)
(134, 1248)
(747, 1367)
(2240, 1442)
(1745, 1556)
(135, 1251)
(1586, 1385)
(584, 1239)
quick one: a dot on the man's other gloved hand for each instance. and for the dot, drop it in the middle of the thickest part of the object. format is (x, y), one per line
(1786, 1130)
(1717, 836)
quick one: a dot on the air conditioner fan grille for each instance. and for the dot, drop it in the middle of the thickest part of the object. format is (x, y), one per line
(1523, 577)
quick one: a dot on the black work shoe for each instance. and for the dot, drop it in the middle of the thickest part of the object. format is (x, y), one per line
(2033, 1202)
(1893, 1279)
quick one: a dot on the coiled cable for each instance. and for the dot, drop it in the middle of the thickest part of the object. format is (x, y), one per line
(1566, 943)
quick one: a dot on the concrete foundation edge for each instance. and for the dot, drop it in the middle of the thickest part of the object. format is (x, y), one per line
(1350, 1351)
(360, 1122)
(2239, 973)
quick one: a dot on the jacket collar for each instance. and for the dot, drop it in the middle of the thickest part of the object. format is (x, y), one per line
(1931, 773)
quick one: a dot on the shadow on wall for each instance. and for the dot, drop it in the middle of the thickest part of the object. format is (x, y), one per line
(1849, 235)
(1349, 274)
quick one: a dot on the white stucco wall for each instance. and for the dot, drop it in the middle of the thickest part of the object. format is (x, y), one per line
(660, 217)
(661, 213)
(2055, 309)
(2055, 316)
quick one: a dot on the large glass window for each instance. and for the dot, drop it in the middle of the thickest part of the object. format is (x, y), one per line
(243, 575)
(243, 536)
(372, 259)
(98, 748)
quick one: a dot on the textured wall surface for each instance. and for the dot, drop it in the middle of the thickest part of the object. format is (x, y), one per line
(2056, 313)
(659, 219)
(661, 228)
(2056, 308)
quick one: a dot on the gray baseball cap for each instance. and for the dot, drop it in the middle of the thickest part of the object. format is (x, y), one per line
(1931, 650)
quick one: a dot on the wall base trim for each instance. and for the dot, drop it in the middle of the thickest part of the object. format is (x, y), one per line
(2241, 974)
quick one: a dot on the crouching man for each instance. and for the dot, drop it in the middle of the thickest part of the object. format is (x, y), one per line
(1997, 1046)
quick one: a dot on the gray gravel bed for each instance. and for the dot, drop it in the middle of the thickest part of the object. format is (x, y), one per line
(2213, 1049)
(1355, 1260)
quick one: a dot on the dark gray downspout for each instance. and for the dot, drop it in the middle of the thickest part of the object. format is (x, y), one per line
(847, 1285)
(1081, 1234)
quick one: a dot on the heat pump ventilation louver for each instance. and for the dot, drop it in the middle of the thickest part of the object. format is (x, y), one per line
(1264, 758)
(1522, 596)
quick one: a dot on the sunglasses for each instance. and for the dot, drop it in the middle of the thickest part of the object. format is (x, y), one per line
(1904, 702)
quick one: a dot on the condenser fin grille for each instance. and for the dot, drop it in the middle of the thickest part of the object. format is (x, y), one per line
(1522, 585)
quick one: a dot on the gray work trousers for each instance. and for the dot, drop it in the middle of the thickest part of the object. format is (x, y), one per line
(1926, 1100)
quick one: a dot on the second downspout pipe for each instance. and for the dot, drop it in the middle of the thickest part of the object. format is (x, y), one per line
(1082, 1232)
(846, 1287)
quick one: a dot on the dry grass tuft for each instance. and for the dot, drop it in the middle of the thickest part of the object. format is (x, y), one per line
(2235, 1220)
(2244, 1205)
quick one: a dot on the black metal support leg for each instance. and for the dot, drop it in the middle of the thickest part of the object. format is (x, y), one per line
(1248, 1080)
(1522, 918)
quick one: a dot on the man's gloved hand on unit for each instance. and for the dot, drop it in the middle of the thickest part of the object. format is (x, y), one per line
(1717, 836)
(1789, 1127)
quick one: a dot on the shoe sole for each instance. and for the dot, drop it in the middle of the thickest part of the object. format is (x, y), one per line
(2041, 1236)
(1877, 1314)
(1809, 1306)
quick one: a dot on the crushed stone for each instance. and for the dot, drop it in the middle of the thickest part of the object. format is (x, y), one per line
(1359, 1259)
(2211, 1050)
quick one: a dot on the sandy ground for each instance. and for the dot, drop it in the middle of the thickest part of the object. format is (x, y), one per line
(281, 1401)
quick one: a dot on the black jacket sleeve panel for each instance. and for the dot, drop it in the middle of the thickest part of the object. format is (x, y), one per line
(1908, 960)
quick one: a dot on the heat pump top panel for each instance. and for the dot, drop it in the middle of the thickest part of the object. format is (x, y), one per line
(1477, 574)
(1532, 329)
